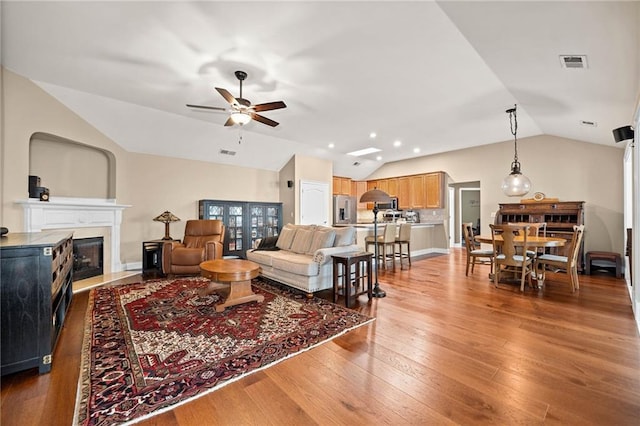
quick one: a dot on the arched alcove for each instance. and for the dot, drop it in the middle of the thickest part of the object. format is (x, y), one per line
(72, 169)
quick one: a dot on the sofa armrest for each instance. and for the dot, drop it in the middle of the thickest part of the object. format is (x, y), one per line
(323, 255)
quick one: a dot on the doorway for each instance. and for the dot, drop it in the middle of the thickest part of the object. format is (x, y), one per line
(314, 203)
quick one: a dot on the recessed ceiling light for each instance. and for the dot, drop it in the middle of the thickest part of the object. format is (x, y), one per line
(332, 145)
(397, 143)
(379, 157)
(416, 150)
(363, 152)
(372, 135)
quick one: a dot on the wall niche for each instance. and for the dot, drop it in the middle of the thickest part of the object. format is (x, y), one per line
(71, 169)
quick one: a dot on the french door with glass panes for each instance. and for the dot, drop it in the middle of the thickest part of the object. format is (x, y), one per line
(245, 222)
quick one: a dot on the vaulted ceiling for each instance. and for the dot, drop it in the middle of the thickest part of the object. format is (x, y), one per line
(434, 76)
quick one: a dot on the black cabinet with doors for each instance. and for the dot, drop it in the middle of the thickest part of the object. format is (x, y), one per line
(36, 293)
(245, 222)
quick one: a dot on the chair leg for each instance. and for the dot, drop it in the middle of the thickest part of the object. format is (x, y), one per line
(468, 262)
(409, 253)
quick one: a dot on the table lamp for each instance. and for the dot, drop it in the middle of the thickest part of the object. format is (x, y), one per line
(376, 196)
(167, 217)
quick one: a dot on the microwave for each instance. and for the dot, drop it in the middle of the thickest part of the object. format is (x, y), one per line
(391, 205)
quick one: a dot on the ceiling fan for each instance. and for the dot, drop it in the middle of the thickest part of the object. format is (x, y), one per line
(242, 111)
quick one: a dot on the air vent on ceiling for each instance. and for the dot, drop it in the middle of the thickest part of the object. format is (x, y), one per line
(588, 123)
(357, 163)
(573, 61)
(227, 152)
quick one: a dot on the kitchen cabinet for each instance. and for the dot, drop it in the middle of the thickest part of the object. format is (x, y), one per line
(434, 192)
(404, 193)
(417, 193)
(392, 186)
(341, 186)
(361, 188)
(36, 292)
(245, 222)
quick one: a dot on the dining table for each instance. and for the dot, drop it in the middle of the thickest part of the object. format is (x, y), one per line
(532, 242)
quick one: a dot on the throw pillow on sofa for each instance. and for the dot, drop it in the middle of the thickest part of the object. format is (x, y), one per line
(345, 236)
(322, 238)
(302, 241)
(287, 233)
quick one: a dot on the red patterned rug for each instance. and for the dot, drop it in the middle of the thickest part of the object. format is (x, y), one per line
(152, 345)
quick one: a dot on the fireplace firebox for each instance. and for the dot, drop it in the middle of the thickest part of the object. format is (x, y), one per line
(88, 257)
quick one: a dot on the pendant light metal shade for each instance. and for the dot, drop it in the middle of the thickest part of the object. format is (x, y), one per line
(515, 184)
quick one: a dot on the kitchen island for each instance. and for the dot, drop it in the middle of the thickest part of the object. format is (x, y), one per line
(426, 237)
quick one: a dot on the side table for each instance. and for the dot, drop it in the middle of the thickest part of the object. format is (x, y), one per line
(152, 258)
(352, 273)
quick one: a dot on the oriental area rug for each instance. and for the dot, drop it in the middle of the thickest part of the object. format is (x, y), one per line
(153, 345)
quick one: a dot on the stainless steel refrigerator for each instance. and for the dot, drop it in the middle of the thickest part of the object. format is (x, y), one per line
(344, 209)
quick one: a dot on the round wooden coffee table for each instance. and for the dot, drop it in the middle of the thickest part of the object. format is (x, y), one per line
(238, 273)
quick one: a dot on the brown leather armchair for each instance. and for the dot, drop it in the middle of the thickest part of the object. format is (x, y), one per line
(202, 241)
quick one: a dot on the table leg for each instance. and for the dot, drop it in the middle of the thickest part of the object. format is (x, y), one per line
(240, 292)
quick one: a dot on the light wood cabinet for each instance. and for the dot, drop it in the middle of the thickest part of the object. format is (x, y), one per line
(392, 186)
(416, 192)
(404, 193)
(341, 186)
(361, 188)
(433, 191)
(421, 191)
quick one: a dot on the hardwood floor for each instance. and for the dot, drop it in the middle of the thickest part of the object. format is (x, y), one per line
(445, 349)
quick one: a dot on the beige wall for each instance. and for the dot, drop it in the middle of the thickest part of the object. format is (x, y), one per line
(560, 168)
(150, 184)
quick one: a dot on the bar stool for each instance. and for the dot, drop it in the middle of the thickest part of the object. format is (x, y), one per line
(404, 239)
(385, 241)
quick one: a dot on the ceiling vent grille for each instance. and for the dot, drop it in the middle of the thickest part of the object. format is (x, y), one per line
(227, 152)
(573, 61)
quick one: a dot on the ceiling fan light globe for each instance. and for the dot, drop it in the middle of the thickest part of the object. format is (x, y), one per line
(240, 118)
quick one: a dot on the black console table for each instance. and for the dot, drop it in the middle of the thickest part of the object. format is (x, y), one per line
(35, 279)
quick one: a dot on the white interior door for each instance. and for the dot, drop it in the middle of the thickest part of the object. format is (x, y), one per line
(314, 203)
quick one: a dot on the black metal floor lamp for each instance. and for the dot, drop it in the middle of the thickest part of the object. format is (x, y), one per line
(376, 196)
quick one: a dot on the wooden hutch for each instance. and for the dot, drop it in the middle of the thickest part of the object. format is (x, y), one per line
(560, 217)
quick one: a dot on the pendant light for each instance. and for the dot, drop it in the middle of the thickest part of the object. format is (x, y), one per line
(515, 184)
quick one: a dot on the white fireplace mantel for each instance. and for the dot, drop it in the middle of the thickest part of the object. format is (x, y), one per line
(70, 213)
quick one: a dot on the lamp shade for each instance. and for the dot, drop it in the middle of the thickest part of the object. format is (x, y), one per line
(375, 196)
(166, 217)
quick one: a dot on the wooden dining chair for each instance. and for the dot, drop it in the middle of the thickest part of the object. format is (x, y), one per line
(536, 229)
(567, 263)
(475, 255)
(506, 257)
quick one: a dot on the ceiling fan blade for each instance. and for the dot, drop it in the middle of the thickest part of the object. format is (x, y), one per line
(269, 106)
(263, 120)
(228, 96)
(207, 107)
(229, 122)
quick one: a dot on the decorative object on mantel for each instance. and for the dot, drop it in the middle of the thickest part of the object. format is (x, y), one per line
(167, 217)
(153, 345)
(376, 196)
(515, 184)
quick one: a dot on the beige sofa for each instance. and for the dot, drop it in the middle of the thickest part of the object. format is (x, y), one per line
(303, 255)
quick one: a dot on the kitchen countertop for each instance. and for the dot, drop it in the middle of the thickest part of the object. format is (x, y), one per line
(370, 224)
